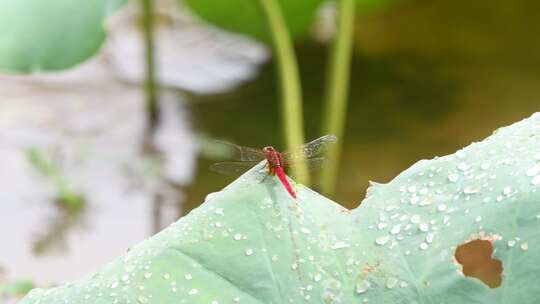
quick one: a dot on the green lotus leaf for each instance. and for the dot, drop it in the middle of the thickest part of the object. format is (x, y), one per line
(42, 35)
(252, 243)
(246, 16)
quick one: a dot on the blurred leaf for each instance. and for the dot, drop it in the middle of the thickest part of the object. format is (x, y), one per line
(41, 162)
(373, 4)
(251, 243)
(70, 204)
(54, 235)
(16, 288)
(67, 197)
(51, 34)
(246, 16)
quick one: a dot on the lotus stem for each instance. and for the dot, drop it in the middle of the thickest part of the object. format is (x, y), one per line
(291, 92)
(150, 81)
(336, 96)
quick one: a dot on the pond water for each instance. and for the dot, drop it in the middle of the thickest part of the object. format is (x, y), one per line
(90, 130)
(87, 126)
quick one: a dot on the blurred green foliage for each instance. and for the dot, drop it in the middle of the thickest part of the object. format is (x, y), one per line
(247, 17)
(70, 204)
(51, 35)
(17, 288)
(67, 197)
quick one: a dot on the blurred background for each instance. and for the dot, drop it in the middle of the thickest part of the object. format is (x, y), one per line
(106, 137)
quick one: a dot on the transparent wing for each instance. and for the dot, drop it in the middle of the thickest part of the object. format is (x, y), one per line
(310, 149)
(241, 153)
(315, 163)
(232, 167)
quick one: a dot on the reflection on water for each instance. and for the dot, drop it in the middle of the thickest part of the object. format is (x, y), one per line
(84, 132)
(190, 55)
(69, 204)
(54, 234)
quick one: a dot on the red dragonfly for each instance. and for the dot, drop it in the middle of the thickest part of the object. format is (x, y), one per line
(276, 162)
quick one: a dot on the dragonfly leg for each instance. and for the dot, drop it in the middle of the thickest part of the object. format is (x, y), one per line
(271, 171)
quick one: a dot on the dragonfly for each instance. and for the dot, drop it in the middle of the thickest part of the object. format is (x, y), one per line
(276, 162)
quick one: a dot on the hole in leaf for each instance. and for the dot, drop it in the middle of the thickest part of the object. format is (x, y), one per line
(476, 259)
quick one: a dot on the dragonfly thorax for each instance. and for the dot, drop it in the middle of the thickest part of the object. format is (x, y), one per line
(273, 157)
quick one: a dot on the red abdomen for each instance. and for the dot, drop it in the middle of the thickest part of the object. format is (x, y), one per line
(283, 179)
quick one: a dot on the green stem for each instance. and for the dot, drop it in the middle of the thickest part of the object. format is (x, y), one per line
(150, 82)
(291, 93)
(336, 96)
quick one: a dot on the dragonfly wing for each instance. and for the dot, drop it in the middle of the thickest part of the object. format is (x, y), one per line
(315, 163)
(310, 149)
(241, 153)
(231, 167)
(312, 163)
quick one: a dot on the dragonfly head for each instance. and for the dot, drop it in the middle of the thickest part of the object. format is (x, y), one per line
(272, 156)
(269, 150)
